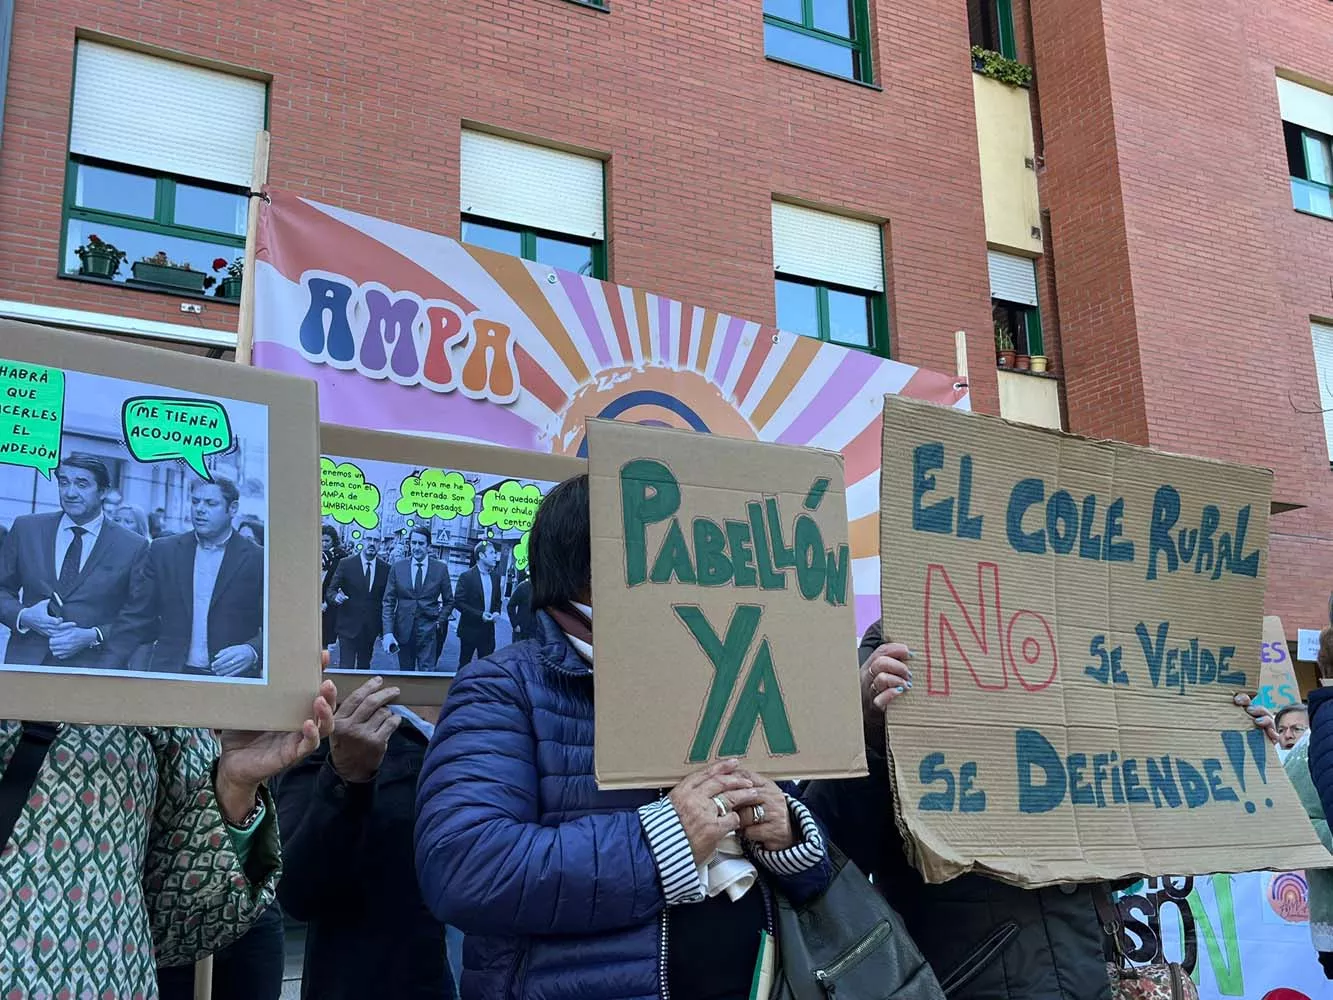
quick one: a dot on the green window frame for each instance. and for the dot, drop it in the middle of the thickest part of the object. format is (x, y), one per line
(1309, 153)
(162, 223)
(876, 307)
(991, 26)
(1025, 323)
(528, 238)
(858, 41)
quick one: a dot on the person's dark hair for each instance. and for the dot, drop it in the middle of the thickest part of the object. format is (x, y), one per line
(1324, 658)
(560, 546)
(482, 546)
(89, 463)
(331, 533)
(1282, 712)
(230, 494)
(419, 531)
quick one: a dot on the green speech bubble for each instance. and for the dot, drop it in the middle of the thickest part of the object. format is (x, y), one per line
(436, 493)
(510, 505)
(521, 552)
(345, 495)
(32, 410)
(162, 428)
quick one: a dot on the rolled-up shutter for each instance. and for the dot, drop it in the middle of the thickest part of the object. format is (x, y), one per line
(532, 186)
(1322, 335)
(168, 117)
(1012, 279)
(827, 247)
(1305, 106)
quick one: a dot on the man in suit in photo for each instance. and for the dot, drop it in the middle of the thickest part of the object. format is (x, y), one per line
(357, 591)
(199, 596)
(65, 576)
(522, 620)
(418, 597)
(479, 601)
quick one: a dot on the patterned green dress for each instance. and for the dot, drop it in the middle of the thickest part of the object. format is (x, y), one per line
(121, 861)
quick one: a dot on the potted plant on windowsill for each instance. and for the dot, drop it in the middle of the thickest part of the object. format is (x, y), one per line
(1022, 362)
(159, 270)
(99, 259)
(1038, 362)
(1004, 344)
(229, 287)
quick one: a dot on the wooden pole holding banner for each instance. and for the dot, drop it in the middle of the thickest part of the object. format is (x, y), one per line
(960, 355)
(245, 329)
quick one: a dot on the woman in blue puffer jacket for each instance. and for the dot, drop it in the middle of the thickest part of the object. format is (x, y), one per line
(565, 891)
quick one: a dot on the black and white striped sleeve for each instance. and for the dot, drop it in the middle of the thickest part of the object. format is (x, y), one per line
(681, 881)
(807, 852)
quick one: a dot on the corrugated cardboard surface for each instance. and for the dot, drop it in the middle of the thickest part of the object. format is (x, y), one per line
(652, 678)
(1017, 687)
(292, 541)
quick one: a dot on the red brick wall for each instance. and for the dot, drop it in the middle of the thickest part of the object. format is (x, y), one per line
(701, 132)
(1186, 281)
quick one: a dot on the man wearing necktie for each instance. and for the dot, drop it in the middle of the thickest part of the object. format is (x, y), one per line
(357, 591)
(479, 605)
(418, 600)
(64, 577)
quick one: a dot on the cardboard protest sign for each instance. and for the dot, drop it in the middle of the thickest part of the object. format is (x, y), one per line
(130, 478)
(1307, 644)
(721, 585)
(467, 510)
(1278, 686)
(1081, 614)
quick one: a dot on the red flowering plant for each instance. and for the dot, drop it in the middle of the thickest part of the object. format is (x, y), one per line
(99, 257)
(233, 271)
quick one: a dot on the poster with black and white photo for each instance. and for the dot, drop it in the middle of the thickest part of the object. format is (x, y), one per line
(134, 516)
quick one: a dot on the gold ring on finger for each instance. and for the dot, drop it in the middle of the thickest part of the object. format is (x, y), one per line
(721, 803)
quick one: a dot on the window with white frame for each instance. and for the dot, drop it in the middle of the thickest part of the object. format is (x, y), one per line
(1307, 130)
(1322, 336)
(541, 204)
(829, 277)
(161, 154)
(1014, 307)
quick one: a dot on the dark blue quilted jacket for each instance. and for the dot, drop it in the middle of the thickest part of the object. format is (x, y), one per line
(550, 880)
(1321, 745)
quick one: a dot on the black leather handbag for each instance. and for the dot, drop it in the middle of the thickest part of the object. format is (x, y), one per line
(848, 944)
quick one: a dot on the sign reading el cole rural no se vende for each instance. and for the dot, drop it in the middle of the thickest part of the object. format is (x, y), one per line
(721, 596)
(1081, 614)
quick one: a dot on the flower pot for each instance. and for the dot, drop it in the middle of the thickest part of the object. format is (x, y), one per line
(1004, 359)
(1038, 362)
(1022, 363)
(167, 276)
(99, 264)
(229, 288)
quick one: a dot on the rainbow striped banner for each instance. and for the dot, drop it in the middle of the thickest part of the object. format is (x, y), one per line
(412, 332)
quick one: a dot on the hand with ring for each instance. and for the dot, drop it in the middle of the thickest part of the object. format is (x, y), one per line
(767, 823)
(708, 803)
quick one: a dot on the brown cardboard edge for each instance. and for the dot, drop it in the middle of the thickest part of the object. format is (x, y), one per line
(440, 453)
(437, 453)
(292, 632)
(417, 689)
(737, 443)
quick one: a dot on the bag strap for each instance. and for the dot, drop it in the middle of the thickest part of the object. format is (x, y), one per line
(35, 740)
(1108, 915)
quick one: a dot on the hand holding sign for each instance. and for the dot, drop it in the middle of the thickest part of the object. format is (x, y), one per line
(699, 800)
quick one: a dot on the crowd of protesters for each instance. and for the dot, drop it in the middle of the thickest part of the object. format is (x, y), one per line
(380, 825)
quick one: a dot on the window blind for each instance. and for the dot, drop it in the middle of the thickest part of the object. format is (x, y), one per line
(827, 247)
(532, 186)
(165, 116)
(1322, 335)
(1012, 278)
(1305, 106)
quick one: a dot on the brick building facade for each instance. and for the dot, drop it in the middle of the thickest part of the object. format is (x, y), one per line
(1176, 284)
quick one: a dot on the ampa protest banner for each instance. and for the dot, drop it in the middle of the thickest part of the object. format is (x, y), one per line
(409, 331)
(1278, 686)
(1081, 614)
(721, 580)
(1240, 937)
